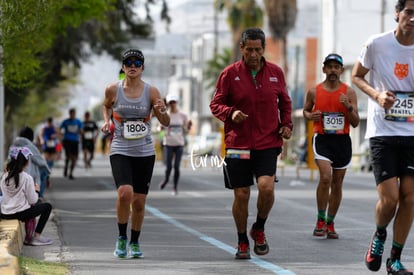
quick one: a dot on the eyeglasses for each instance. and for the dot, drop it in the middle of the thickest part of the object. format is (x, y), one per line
(129, 62)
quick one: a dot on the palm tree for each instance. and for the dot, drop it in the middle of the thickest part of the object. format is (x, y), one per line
(241, 14)
(215, 66)
(281, 19)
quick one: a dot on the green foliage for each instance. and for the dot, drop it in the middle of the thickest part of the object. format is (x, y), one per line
(23, 37)
(282, 16)
(30, 266)
(241, 14)
(216, 65)
(41, 39)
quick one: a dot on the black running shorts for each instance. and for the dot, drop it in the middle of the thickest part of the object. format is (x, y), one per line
(392, 156)
(71, 147)
(337, 149)
(244, 165)
(135, 171)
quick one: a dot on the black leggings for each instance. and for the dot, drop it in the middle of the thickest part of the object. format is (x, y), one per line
(42, 209)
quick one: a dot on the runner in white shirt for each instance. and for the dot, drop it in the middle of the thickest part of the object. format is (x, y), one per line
(389, 59)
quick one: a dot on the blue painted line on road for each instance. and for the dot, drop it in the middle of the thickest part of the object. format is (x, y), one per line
(259, 262)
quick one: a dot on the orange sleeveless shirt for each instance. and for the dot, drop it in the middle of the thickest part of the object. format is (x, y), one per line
(334, 119)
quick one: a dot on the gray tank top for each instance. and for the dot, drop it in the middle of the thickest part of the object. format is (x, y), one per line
(132, 120)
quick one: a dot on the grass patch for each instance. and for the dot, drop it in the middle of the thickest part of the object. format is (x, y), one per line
(30, 266)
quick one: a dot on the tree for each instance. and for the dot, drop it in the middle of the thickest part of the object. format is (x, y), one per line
(241, 15)
(215, 66)
(281, 19)
(44, 44)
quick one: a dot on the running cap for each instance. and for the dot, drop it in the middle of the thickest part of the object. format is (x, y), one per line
(172, 97)
(133, 52)
(334, 57)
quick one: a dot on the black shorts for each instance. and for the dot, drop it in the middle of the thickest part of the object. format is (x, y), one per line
(50, 150)
(392, 156)
(135, 171)
(49, 146)
(71, 147)
(337, 149)
(88, 144)
(241, 169)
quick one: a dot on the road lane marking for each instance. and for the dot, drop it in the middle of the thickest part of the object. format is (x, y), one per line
(257, 261)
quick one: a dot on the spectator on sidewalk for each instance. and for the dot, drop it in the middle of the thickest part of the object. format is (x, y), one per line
(38, 167)
(20, 197)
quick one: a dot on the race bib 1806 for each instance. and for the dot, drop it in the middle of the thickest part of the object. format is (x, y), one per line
(333, 122)
(403, 108)
(134, 129)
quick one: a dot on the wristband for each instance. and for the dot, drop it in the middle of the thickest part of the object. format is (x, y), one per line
(350, 109)
(163, 112)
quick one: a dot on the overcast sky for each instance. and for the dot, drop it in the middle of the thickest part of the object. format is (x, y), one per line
(356, 20)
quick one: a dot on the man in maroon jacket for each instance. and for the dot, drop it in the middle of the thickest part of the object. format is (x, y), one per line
(252, 101)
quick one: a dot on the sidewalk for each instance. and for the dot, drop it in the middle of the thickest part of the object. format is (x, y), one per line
(12, 232)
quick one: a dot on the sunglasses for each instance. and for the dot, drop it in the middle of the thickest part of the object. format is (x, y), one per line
(128, 63)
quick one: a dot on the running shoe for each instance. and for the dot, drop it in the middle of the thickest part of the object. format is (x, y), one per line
(162, 184)
(40, 241)
(320, 228)
(397, 268)
(243, 251)
(331, 233)
(260, 243)
(135, 250)
(121, 247)
(373, 256)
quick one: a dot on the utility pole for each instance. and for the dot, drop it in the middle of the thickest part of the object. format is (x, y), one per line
(215, 31)
(383, 9)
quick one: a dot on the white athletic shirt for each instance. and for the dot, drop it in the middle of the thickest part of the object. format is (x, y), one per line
(174, 134)
(391, 68)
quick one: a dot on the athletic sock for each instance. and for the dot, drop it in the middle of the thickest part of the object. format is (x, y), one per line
(322, 214)
(135, 236)
(396, 251)
(259, 224)
(122, 228)
(242, 237)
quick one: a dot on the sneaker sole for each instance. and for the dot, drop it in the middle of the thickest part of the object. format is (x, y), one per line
(319, 233)
(261, 252)
(136, 257)
(43, 244)
(120, 256)
(242, 257)
(333, 237)
(256, 250)
(369, 264)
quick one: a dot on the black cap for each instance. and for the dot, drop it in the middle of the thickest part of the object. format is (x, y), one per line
(133, 52)
(334, 57)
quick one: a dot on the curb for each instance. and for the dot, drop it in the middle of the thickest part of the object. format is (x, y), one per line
(11, 244)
